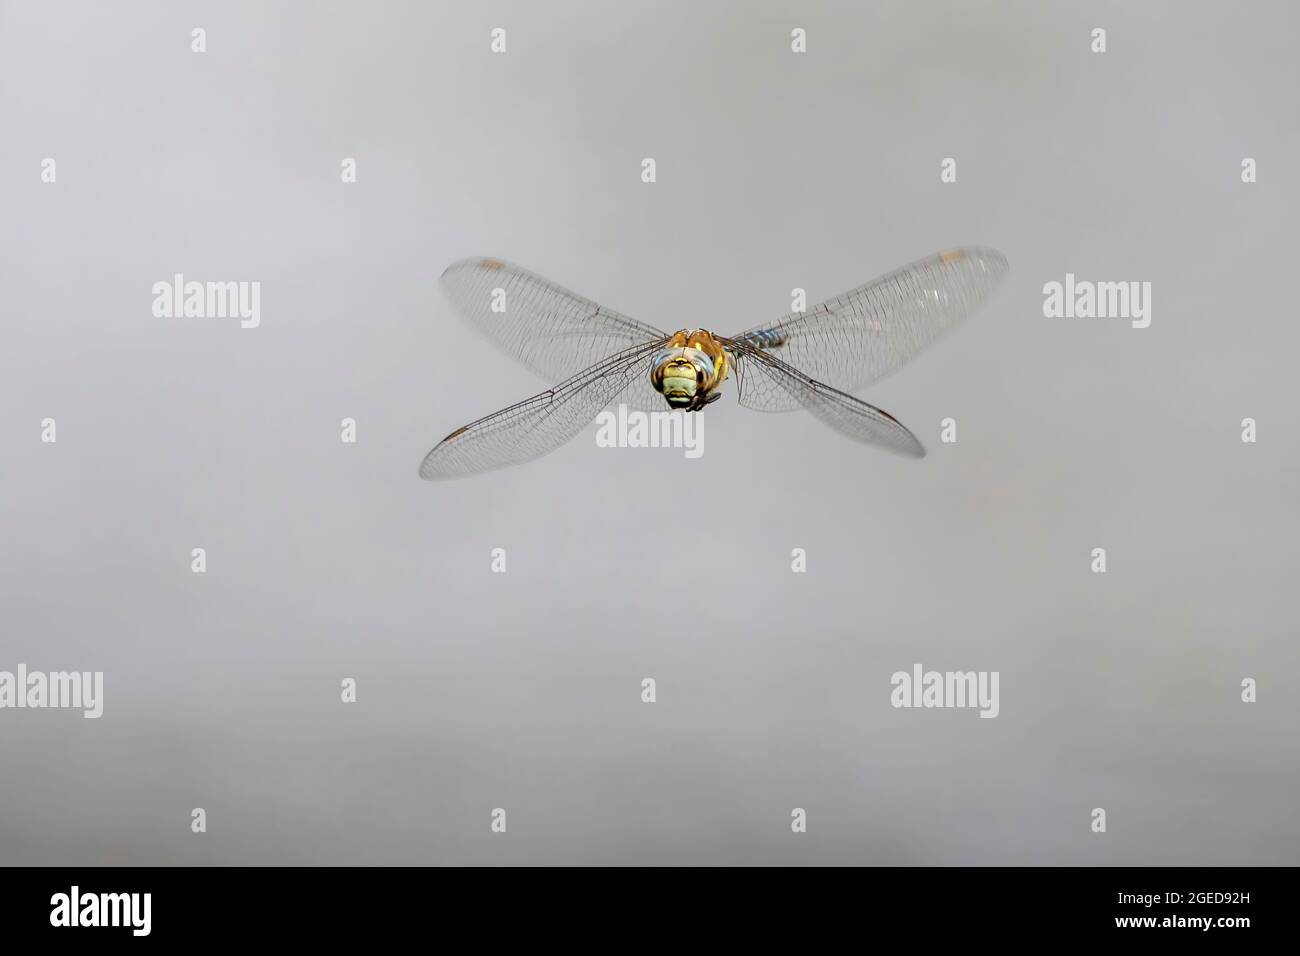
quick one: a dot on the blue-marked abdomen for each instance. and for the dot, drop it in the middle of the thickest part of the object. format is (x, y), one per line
(763, 338)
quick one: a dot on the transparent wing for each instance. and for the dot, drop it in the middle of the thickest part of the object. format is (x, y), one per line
(762, 380)
(549, 329)
(861, 336)
(541, 423)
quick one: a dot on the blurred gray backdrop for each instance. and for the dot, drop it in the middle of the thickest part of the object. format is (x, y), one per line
(522, 690)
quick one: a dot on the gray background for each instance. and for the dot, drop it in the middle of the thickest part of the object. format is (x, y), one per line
(522, 690)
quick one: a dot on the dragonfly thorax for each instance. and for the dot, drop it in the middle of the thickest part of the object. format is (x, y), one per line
(689, 369)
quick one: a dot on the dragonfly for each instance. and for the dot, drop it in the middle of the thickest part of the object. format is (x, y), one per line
(811, 359)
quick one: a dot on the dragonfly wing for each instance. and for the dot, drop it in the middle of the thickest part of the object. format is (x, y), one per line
(551, 330)
(542, 423)
(861, 336)
(765, 382)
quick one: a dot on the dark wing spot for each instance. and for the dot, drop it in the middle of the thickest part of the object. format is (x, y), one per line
(492, 264)
(459, 431)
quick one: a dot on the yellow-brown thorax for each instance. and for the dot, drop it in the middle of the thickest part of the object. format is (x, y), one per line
(689, 369)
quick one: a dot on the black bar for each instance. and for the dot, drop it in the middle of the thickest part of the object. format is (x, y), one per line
(205, 905)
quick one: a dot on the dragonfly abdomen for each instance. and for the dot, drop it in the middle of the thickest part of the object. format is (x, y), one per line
(762, 338)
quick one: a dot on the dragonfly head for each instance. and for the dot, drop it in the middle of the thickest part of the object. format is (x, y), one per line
(684, 376)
